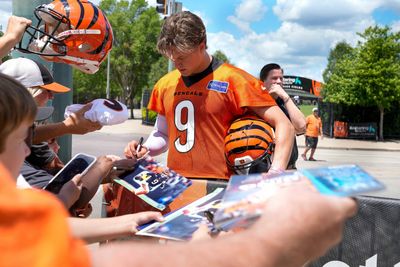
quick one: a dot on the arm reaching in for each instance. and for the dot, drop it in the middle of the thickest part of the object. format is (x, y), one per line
(293, 237)
(76, 123)
(101, 229)
(15, 30)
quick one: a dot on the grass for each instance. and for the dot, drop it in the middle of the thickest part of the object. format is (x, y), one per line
(306, 109)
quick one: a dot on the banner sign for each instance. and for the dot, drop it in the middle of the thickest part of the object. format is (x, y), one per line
(363, 130)
(302, 84)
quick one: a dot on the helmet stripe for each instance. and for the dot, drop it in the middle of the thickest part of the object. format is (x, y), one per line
(66, 7)
(95, 16)
(81, 16)
(105, 40)
(248, 137)
(246, 127)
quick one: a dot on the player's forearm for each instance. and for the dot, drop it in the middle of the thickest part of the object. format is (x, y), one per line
(284, 132)
(296, 116)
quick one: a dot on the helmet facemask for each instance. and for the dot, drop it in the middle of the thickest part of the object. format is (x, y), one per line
(43, 38)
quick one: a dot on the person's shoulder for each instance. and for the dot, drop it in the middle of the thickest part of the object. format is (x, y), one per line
(168, 79)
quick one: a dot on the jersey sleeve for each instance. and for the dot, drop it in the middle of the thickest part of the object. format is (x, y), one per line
(155, 102)
(249, 91)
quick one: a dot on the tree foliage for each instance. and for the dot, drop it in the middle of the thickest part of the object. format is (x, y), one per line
(341, 50)
(370, 74)
(221, 56)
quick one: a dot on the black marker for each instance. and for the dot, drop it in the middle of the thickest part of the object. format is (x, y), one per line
(139, 147)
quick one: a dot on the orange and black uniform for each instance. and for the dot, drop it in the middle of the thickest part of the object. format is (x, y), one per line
(199, 110)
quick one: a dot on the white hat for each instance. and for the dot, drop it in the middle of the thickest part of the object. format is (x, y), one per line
(314, 109)
(31, 74)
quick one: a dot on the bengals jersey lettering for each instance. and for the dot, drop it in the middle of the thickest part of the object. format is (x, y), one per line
(199, 110)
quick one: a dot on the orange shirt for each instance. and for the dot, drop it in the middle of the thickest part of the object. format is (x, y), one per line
(314, 126)
(199, 114)
(34, 230)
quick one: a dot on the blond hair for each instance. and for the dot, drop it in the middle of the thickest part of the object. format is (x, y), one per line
(183, 31)
(16, 107)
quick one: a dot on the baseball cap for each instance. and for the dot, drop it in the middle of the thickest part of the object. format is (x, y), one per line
(31, 74)
(314, 109)
(43, 113)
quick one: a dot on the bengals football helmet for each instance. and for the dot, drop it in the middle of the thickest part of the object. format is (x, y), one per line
(75, 32)
(249, 145)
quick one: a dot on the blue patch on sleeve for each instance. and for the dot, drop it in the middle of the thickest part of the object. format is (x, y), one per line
(218, 86)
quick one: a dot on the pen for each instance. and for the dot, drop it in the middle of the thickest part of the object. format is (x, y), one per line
(139, 147)
(122, 168)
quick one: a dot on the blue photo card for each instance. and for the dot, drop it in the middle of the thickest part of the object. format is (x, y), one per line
(154, 183)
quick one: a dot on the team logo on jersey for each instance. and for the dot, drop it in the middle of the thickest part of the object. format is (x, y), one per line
(221, 87)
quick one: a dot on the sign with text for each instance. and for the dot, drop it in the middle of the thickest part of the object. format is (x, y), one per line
(362, 130)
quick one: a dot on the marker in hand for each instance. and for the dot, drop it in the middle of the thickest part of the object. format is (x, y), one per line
(139, 147)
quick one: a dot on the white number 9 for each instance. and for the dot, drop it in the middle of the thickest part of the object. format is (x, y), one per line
(188, 126)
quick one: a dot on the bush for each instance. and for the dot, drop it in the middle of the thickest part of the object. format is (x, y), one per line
(148, 116)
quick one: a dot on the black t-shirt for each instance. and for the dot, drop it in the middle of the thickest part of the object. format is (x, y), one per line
(295, 152)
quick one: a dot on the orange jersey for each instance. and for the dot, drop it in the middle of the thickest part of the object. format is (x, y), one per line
(34, 229)
(314, 126)
(199, 110)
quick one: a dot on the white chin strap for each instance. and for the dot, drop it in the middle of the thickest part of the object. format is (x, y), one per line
(84, 65)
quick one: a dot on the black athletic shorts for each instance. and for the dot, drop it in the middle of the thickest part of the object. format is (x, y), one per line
(311, 141)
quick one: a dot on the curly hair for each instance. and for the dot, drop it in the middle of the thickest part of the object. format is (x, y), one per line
(183, 31)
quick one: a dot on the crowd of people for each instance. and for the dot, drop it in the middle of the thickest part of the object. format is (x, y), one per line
(195, 103)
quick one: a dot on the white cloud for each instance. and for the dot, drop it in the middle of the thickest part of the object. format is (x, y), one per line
(396, 26)
(246, 12)
(309, 29)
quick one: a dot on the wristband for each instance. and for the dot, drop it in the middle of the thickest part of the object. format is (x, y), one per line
(286, 100)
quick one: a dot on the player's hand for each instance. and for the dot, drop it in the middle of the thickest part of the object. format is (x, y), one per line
(305, 225)
(277, 91)
(78, 124)
(16, 27)
(132, 221)
(71, 191)
(131, 152)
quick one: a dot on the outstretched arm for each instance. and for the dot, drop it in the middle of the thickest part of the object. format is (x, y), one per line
(76, 123)
(101, 229)
(15, 30)
(294, 237)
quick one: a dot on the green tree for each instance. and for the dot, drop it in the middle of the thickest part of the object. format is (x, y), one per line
(157, 70)
(341, 50)
(370, 74)
(221, 56)
(378, 69)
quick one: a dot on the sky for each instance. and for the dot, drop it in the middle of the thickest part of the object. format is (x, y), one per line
(297, 34)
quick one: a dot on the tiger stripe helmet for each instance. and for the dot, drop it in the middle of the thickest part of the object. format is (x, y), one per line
(249, 145)
(75, 32)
